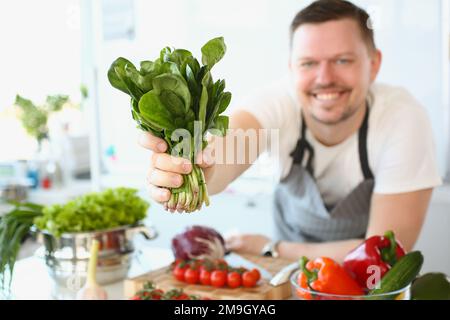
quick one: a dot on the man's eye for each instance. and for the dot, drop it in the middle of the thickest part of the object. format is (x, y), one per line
(308, 64)
(343, 61)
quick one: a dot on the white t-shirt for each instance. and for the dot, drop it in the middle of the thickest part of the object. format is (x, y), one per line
(400, 144)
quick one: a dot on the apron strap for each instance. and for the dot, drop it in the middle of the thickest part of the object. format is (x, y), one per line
(299, 152)
(362, 145)
(303, 145)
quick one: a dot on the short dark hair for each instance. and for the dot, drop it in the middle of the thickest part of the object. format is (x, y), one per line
(328, 10)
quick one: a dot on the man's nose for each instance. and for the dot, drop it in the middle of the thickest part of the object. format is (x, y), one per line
(325, 74)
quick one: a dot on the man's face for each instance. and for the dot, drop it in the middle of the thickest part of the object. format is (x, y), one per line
(332, 69)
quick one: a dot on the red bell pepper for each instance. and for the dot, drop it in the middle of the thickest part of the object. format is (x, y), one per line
(326, 276)
(377, 251)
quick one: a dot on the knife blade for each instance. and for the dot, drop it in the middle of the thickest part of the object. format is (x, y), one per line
(237, 260)
(284, 274)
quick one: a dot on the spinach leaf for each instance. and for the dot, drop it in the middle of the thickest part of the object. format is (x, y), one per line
(213, 51)
(172, 102)
(202, 110)
(124, 74)
(221, 124)
(164, 54)
(221, 103)
(155, 113)
(169, 67)
(179, 56)
(224, 102)
(177, 85)
(113, 76)
(147, 67)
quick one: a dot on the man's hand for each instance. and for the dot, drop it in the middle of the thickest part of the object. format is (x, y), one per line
(166, 171)
(247, 243)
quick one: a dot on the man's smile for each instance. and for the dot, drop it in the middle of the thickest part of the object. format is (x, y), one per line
(329, 96)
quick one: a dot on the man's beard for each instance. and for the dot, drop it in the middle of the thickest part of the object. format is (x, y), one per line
(349, 112)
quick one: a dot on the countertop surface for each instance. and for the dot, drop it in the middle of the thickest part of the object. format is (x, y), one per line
(32, 282)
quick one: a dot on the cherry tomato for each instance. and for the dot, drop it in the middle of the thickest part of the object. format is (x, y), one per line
(218, 278)
(234, 279)
(182, 296)
(221, 264)
(207, 265)
(257, 274)
(177, 262)
(157, 294)
(179, 272)
(248, 279)
(191, 276)
(195, 263)
(241, 270)
(205, 277)
(180, 263)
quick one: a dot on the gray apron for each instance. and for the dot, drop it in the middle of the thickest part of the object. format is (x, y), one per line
(299, 211)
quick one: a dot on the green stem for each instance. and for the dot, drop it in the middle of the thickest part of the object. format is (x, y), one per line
(195, 190)
(181, 200)
(191, 196)
(200, 198)
(205, 189)
(194, 177)
(310, 275)
(389, 254)
(172, 201)
(175, 201)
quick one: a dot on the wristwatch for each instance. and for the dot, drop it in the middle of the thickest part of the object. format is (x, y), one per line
(270, 249)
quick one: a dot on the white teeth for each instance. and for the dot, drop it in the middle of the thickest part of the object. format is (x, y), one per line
(327, 96)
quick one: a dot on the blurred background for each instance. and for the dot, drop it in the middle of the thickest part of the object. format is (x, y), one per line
(57, 53)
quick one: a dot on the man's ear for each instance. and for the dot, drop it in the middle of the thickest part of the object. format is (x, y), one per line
(375, 64)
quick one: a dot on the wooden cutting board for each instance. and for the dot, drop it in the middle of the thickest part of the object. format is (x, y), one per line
(163, 279)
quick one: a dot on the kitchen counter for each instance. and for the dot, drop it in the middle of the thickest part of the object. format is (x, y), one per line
(230, 210)
(32, 282)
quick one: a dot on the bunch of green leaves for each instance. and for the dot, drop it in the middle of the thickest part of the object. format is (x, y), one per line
(174, 92)
(14, 226)
(35, 117)
(94, 211)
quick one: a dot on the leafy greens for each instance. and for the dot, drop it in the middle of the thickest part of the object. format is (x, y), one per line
(94, 211)
(175, 92)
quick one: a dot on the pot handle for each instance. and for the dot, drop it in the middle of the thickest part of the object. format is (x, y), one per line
(149, 232)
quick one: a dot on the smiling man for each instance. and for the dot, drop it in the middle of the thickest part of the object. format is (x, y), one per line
(357, 157)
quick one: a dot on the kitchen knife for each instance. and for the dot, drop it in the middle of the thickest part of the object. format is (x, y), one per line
(284, 274)
(236, 260)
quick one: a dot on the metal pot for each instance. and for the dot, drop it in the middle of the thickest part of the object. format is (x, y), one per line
(67, 257)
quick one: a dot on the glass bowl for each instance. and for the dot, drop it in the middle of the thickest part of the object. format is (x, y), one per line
(300, 293)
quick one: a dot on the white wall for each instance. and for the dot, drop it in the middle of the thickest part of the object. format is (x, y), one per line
(409, 34)
(40, 49)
